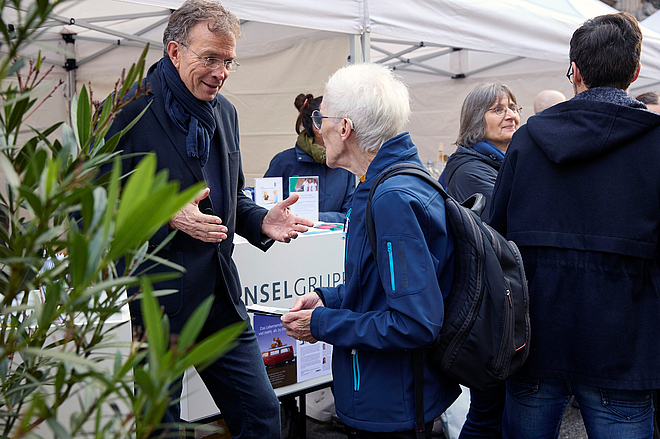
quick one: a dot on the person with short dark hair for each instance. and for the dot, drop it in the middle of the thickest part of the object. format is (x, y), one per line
(308, 157)
(579, 192)
(193, 130)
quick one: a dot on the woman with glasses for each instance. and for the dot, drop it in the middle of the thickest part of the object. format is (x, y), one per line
(308, 158)
(489, 117)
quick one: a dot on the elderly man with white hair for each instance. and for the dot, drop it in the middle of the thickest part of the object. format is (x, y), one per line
(384, 310)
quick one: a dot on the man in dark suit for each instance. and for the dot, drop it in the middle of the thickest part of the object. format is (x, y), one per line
(194, 132)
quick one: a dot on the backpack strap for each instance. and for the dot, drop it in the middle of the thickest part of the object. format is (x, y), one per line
(396, 169)
(476, 203)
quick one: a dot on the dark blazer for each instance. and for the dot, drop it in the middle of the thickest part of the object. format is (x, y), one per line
(206, 264)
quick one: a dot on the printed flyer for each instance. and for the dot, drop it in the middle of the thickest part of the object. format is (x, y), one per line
(267, 191)
(289, 361)
(307, 189)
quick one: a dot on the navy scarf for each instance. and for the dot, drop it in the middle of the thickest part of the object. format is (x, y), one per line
(192, 116)
(488, 149)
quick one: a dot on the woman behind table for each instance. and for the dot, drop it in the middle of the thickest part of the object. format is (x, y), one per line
(489, 117)
(307, 158)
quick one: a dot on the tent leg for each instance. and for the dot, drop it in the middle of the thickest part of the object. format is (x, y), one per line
(360, 48)
(71, 66)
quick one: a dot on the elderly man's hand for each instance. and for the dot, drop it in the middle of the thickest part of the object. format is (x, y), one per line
(190, 220)
(281, 225)
(297, 325)
(308, 301)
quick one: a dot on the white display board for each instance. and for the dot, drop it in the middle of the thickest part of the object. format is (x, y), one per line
(275, 278)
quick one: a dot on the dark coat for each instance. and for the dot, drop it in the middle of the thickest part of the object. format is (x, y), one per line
(206, 264)
(335, 185)
(469, 172)
(579, 192)
(384, 310)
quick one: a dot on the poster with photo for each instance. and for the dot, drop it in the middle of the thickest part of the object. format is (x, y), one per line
(267, 191)
(307, 187)
(289, 361)
(278, 350)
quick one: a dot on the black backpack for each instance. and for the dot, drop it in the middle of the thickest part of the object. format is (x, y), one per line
(485, 334)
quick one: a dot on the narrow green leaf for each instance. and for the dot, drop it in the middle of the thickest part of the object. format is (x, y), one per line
(8, 170)
(59, 431)
(212, 347)
(84, 120)
(143, 382)
(70, 358)
(153, 325)
(194, 325)
(69, 141)
(73, 113)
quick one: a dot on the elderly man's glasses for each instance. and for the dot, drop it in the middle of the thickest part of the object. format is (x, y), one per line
(570, 73)
(317, 119)
(213, 63)
(500, 110)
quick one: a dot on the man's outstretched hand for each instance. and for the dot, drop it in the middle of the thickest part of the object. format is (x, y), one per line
(190, 220)
(281, 225)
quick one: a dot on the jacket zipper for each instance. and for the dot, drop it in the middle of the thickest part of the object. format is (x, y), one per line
(389, 252)
(356, 370)
(505, 351)
(347, 221)
(458, 340)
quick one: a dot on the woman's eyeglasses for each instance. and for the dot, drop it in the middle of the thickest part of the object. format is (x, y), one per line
(500, 110)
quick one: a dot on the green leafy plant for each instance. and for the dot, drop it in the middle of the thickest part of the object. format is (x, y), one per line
(63, 372)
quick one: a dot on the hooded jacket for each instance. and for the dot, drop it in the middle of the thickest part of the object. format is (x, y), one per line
(579, 192)
(385, 310)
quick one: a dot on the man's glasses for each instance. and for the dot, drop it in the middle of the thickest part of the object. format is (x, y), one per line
(213, 63)
(570, 73)
(317, 119)
(500, 110)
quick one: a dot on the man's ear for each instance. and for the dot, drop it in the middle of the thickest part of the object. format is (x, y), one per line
(639, 67)
(577, 76)
(346, 128)
(174, 52)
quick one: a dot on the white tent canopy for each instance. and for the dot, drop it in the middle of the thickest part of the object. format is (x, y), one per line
(538, 29)
(291, 46)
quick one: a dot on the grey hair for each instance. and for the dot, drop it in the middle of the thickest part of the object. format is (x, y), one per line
(473, 113)
(221, 21)
(373, 97)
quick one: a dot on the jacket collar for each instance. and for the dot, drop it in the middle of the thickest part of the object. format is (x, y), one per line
(302, 156)
(397, 149)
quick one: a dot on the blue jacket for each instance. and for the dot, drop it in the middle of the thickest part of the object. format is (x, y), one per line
(335, 185)
(579, 192)
(383, 311)
(473, 170)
